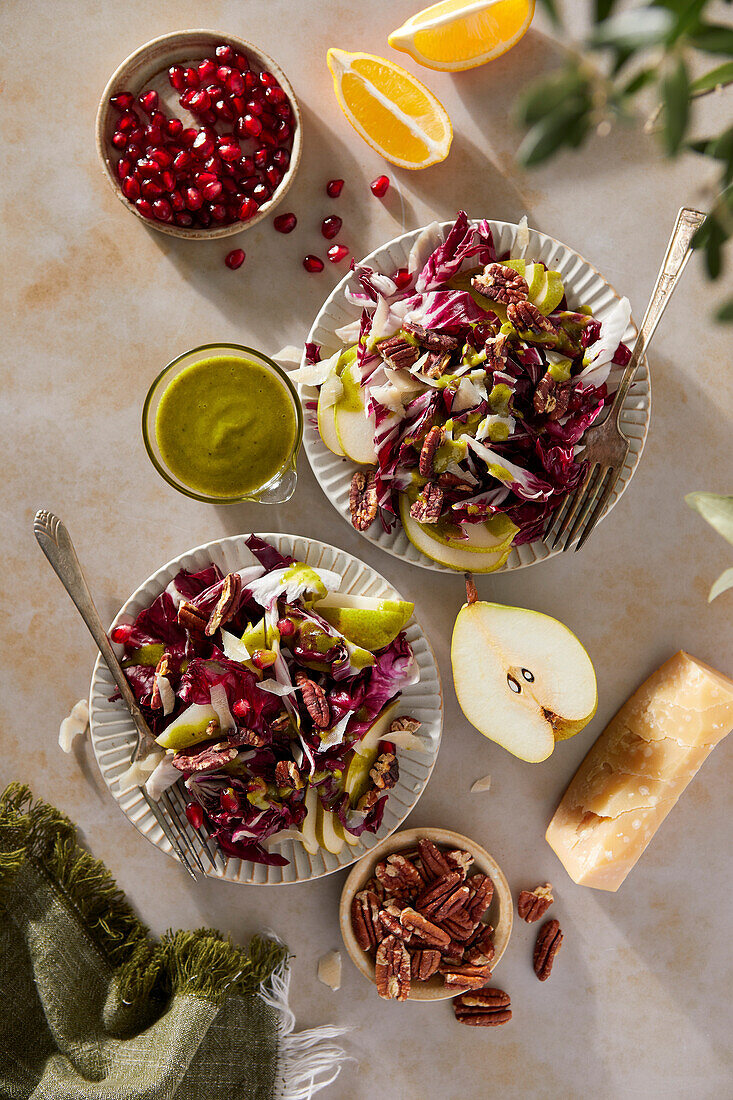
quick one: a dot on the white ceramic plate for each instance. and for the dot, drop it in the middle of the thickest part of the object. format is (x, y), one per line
(583, 286)
(113, 733)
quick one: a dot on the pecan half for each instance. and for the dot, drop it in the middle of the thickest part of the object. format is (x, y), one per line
(465, 976)
(386, 771)
(484, 1008)
(501, 284)
(482, 891)
(424, 963)
(198, 759)
(481, 950)
(363, 499)
(424, 929)
(405, 724)
(459, 925)
(551, 399)
(364, 919)
(527, 318)
(547, 946)
(314, 700)
(460, 861)
(429, 504)
(533, 904)
(436, 364)
(398, 875)
(287, 775)
(193, 620)
(432, 899)
(368, 800)
(434, 862)
(392, 969)
(226, 604)
(389, 918)
(163, 668)
(496, 352)
(245, 736)
(432, 441)
(398, 353)
(429, 339)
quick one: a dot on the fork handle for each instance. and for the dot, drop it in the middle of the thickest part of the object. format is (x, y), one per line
(674, 263)
(55, 541)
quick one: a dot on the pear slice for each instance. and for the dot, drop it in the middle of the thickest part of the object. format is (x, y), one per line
(189, 728)
(327, 428)
(549, 296)
(459, 556)
(326, 411)
(356, 780)
(522, 678)
(366, 621)
(148, 655)
(326, 834)
(354, 429)
(308, 826)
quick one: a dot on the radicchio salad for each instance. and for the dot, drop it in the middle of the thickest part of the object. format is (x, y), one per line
(277, 724)
(463, 392)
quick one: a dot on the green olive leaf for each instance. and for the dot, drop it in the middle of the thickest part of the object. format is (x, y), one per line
(675, 88)
(715, 78)
(713, 38)
(716, 509)
(723, 583)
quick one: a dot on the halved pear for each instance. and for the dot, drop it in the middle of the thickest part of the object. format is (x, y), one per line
(459, 555)
(366, 621)
(326, 834)
(521, 677)
(308, 825)
(189, 728)
(354, 429)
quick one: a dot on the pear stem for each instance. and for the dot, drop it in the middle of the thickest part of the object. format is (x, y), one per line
(471, 593)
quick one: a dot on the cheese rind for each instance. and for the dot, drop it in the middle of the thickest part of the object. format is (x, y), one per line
(637, 769)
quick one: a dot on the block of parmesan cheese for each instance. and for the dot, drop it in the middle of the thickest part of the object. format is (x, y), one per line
(638, 768)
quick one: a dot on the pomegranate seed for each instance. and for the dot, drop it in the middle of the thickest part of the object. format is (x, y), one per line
(263, 658)
(187, 98)
(143, 207)
(252, 125)
(380, 186)
(331, 226)
(200, 100)
(273, 175)
(247, 209)
(268, 138)
(181, 161)
(193, 198)
(223, 73)
(168, 179)
(239, 105)
(151, 189)
(203, 146)
(282, 132)
(206, 177)
(128, 123)
(386, 746)
(260, 193)
(260, 158)
(130, 188)
(267, 80)
(254, 107)
(283, 111)
(158, 118)
(207, 68)
(234, 259)
(230, 153)
(188, 136)
(123, 102)
(204, 218)
(149, 166)
(134, 152)
(235, 82)
(212, 190)
(281, 157)
(285, 223)
(337, 253)
(195, 814)
(174, 126)
(218, 211)
(223, 110)
(313, 264)
(149, 101)
(119, 140)
(241, 708)
(123, 167)
(183, 219)
(176, 77)
(286, 627)
(246, 166)
(161, 157)
(241, 62)
(177, 201)
(248, 185)
(229, 185)
(153, 135)
(402, 278)
(192, 78)
(162, 210)
(229, 800)
(250, 82)
(226, 54)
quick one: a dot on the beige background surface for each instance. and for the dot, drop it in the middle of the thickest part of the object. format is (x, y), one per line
(95, 305)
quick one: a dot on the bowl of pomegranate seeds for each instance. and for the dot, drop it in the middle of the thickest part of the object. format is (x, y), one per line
(426, 915)
(199, 134)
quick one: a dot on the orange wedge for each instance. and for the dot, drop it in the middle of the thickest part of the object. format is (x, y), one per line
(461, 34)
(391, 109)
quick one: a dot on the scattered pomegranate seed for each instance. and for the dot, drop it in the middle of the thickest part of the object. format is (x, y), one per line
(401, 278)
(334, 188)
(285, 223)
(229, 800)
(380, 186)
(313, 264)
(234, 259)
(337, 253)
(331, 226)
(195, 814)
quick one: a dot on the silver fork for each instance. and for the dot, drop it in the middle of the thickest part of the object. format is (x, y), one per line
(55, 541)
(606, 446)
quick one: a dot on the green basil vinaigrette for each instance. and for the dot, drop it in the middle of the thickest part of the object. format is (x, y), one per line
(225, 426)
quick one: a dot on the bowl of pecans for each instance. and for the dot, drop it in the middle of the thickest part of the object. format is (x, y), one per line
(426, 915)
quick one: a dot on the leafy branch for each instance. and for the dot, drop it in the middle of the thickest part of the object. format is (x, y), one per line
(650, 48)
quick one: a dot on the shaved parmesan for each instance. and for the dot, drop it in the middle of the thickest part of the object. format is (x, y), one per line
(140, 771)
(164, 776)
(75, 725)
(234, 649)
(220, 703)
(315, 374)
(288, 355)
(166, 692)
(329, 970)
(481, 785)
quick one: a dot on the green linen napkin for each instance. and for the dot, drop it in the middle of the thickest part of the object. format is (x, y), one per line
(93, 1008)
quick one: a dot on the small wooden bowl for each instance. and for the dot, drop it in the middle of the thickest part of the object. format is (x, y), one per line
(148, 67)
(500, 913)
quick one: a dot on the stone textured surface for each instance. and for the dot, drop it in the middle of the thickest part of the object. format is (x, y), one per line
(95, 305)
